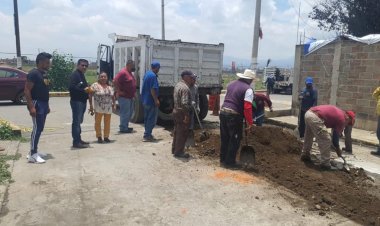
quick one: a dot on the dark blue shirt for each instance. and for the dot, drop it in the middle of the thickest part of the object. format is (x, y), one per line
(40, 90)
(150, 82)
(309, 98)
(77, 85)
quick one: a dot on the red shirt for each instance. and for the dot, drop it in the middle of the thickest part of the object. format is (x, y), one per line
(126, 84)
(332, 116)
(260, 100)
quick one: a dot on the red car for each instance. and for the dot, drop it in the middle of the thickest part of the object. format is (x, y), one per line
(12, 83)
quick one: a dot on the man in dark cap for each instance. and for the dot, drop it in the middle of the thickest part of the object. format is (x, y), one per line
(149, 96)
(318, 119)
(308, 98)
(37, 97)
(181, 113)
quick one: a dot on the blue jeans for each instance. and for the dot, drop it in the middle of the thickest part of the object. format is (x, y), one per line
(259, 121)
(150, 119)
(78, 109)
(42, 108)
(126, 110)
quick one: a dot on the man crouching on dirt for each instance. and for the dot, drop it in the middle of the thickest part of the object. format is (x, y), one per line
(317, 120)
(237, 105)
(181, 113)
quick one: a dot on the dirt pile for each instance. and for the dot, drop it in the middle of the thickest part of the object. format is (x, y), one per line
(277, 158)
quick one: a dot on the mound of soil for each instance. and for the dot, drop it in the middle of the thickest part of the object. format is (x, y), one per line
(352, 194)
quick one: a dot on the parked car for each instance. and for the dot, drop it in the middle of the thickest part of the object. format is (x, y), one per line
(12, 83)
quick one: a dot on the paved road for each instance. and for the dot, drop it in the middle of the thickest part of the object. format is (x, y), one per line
(133, 183)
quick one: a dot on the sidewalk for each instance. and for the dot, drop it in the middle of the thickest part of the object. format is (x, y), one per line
(359, 136)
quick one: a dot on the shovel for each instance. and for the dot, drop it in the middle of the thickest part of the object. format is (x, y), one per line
(247, 154)
(345, 168)
(204, 135)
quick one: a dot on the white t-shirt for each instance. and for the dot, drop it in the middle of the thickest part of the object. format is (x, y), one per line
(102, 98)
(249, 95)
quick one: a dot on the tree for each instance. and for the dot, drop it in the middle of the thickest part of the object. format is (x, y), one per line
(355, 17)
(62, 67)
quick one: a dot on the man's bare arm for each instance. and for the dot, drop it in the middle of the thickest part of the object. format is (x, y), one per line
(28, 95)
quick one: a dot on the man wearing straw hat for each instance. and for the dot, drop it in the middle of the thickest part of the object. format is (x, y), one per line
(237, 105)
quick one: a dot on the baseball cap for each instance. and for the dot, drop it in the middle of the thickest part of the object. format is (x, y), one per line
(188, 72)
(351, 114)
(309, 80)
(155, 64)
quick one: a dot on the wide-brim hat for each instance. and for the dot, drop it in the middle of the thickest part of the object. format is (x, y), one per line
(248, 74)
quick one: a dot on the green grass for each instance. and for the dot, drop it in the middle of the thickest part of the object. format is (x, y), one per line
(227, 78)
(91, 76)
(5, 174)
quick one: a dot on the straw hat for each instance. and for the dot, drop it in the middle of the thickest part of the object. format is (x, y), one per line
(248, 74)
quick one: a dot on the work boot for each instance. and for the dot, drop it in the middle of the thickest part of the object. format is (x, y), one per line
(80, 146)
(305, 157)
(376, 152)
(347, 151)
(325, 166)
(100, 140)
(182, 155)
(84, 142)
(106, 140)
(234, 166)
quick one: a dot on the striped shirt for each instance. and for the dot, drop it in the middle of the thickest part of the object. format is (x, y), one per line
(182, 96)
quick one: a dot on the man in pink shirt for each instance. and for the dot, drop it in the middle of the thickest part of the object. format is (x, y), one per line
(125, 89)
(317, 120)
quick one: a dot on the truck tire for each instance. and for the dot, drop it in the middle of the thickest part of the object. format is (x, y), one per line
(289, 90)
(20, 98)
(203, 106)
(138, 113)
(166, 109)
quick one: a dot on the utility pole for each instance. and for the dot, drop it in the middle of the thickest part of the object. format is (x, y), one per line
(256, 30)
(163, 19)
(17, 32)
(298, 23)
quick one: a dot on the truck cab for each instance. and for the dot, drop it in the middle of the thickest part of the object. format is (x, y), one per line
(205, 60)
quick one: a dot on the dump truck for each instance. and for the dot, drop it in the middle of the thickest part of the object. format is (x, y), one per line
(205, 60)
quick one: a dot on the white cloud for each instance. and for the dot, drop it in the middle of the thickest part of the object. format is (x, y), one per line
(78, 26)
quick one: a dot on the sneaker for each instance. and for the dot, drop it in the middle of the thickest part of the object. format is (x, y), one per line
(305, 158)
(106, 140)
(35, 158)
(149, 139)
(41, 154)
(129, 130)
(80, 145)
(100, 140)
(182, 155)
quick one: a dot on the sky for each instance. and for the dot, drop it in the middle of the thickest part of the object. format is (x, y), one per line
(77, 26)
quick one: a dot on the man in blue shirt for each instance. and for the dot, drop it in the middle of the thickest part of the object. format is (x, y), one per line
(308, 98)
(149, 96)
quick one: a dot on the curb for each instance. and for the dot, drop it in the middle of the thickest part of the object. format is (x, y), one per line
(292, 126)
(59, 94)
(16, 130)
(4, 187)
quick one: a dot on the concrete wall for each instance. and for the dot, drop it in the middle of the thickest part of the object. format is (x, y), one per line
(345, 73)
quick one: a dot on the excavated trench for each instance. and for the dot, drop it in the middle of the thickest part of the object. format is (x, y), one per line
(353, 195)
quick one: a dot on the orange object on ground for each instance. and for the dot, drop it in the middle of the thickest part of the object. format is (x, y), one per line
(215, 104)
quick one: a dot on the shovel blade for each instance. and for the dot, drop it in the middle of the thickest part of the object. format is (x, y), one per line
(247, 156)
